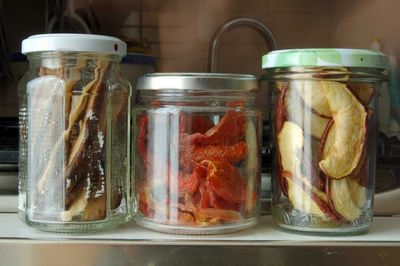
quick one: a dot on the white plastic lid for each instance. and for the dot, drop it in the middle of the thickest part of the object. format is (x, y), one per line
(74, 43)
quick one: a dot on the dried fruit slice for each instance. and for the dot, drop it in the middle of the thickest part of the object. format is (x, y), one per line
(312, 123)
(340, 198)
(223, 178)
(290, 144)
(305, 200)
(194, 124)
(77, 207)
(205, 215)
(195, 153)
(349, 116)
(281, 112)
(364, 91)
(358, 192)
(229, 131)
(313, 96)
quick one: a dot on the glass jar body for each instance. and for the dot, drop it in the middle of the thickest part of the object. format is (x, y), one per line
(74, 142)
(197, 161)
(324, 137)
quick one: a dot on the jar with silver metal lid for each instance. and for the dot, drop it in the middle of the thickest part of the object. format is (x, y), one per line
(74, 114)
(197, 152)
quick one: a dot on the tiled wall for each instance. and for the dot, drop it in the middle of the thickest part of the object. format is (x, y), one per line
(180, 31)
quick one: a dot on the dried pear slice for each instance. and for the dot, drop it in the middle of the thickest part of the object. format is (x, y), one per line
(313, 96)
(340, 198)
(364, 91)
(349, 116)
(305, 118)
(290, 143)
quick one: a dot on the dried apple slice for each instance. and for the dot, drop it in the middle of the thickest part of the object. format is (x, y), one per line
(364, 91)
(358, 192)
(313, 96)
(306, 200)
(341, 199)
(349, 116)
(290, 143)
(312, 123)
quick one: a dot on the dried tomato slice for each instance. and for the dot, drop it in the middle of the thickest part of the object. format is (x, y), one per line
(145, 202)
(194, 124)
(219, 203)
(223, 178)
(204, 200)
(229, 131)
(186, 218)
(142, 139)
(207, 214)
(189, 183)
(233, 154)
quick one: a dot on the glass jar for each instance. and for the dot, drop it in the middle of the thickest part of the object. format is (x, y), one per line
(324, 132)
(74, 134)
(197, 153)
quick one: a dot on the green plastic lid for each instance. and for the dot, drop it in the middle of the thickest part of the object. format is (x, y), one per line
(323, 57)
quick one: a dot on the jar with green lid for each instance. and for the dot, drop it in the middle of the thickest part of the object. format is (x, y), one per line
(74, 134)
(324, 115)
(197, 152)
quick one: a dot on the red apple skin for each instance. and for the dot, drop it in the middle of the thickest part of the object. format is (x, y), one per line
(281, 116)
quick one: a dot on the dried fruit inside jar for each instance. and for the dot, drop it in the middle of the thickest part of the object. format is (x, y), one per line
(197, 168)
(321, 139)
(72, 118)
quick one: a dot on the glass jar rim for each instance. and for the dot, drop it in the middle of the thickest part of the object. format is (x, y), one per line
(198, 82)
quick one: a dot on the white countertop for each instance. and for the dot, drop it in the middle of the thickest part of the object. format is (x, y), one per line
(385, 230)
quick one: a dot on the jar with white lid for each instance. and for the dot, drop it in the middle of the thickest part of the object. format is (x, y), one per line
(325, 125)
(197, 152)
(74, 113)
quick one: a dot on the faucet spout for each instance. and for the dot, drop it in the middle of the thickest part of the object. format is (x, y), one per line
(234, 23)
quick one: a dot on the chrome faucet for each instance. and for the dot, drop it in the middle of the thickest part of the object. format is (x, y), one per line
(234, 23)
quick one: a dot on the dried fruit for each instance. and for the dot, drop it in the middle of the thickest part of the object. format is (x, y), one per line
(194, 124)
(290, 145)
(195, 153)
(349, 131)
(210, 214)
(340, 198)
(205, 187)
(313, 96)
(304, 199)
(363, 91)
(223, 178)
(296, 111)
(229, 131)
(142, 139)
(358, 192)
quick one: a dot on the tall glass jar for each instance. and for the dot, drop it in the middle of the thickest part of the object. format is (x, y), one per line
(325, 132)
(197, 153)
(74, 134)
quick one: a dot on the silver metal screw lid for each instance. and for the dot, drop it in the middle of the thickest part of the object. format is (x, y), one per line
(197, 82)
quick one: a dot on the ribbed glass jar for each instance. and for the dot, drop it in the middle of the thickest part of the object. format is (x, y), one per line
(74, 173)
